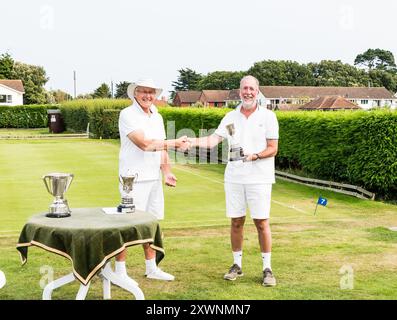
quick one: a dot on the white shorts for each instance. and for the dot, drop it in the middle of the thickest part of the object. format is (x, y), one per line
(148, 196)
(256, 196)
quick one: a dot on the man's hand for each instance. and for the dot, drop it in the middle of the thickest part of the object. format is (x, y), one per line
(250, 157)
(170, 179)
(183, 144)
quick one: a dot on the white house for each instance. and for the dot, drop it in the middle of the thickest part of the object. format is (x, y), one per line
(11, 92)
(279, 97)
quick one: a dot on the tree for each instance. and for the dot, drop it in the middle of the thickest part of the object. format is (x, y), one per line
(121, 90)
(221, 80)
(376, 59)
(6, 66)
(338, 74)
(33, 78)
(380, 78)
(103, 91)
(188, 79)
(281, 73)
(57, 96)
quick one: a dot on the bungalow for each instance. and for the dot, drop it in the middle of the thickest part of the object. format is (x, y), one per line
(186, 98)
(365, 97)
(214, 98)
(11, 92)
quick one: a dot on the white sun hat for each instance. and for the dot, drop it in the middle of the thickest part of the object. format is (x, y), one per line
(148, 83)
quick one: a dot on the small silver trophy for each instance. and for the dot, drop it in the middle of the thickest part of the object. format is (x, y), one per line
(57, 184)
(236, 151)
(127, 202)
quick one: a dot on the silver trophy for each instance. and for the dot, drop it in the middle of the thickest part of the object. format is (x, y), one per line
(236, 151)
(57, 184)
(127, 202)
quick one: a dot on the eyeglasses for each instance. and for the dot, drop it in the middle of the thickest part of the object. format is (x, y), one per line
(150, 92)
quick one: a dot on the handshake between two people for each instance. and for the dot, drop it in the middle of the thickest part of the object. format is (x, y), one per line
(184, 144)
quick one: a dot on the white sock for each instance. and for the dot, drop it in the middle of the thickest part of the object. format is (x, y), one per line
(119, 267)
(150, 265)
(266, 258)
(238, 257)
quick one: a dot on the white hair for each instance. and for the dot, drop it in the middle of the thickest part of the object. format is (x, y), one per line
(249, 77)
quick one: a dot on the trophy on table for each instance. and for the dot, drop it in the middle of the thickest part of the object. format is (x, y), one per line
(127, 202)
(236, 151)
(57, 184)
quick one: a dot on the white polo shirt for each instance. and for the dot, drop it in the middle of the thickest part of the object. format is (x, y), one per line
(131, 157)
(252, 133)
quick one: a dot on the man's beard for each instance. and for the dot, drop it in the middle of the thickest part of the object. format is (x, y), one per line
(249, 105)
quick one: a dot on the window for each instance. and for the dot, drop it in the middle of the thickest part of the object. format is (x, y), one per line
(5, 98)
(364, 101)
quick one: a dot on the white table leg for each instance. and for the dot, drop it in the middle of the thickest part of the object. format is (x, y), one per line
(83, 290)
(47, 292)
(109, 275)
(106, 288)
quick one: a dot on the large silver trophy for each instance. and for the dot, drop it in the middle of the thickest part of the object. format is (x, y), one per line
(236, 151)
(127, 202)
(57, 184)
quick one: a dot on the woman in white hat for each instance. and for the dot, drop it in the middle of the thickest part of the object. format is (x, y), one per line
(143, 150)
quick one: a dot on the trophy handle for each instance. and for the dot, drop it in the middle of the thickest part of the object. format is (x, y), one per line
(69, 181)
(120, 180)
(45, 183)
(136, 177)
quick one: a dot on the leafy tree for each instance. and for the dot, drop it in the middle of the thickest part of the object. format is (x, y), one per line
(376, 59)
(221, 80)
(338, 74)
(103, 91)
(6, 66)
(281, 73)
(188, 79)
(380, 78)
(121, 90)
(33, 78)
(57, 96)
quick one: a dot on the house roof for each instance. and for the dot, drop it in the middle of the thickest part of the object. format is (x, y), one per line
(277, 92)
(234, 95)
(13, 84)
(333, 103)
(188, 96)
(215, 95)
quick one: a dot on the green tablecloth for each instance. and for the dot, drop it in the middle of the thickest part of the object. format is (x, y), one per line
(90, 237)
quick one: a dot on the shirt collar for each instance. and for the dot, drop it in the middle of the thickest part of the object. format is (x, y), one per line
(238, 108)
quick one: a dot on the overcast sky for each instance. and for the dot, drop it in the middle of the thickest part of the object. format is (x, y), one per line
(124, 40)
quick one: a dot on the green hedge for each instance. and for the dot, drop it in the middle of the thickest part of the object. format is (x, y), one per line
(357, 147)
(27, 116)
(78, 113)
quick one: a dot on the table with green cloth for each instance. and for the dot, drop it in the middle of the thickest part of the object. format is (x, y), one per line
(89, 238)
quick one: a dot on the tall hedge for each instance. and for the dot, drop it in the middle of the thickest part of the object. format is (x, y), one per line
(29, 116)
(78, 113)
(357, 147)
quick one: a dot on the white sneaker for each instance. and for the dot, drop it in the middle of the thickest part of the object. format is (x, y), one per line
(125, 278)
(159, 274)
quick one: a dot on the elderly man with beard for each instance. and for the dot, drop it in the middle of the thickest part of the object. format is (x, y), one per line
(248, 182)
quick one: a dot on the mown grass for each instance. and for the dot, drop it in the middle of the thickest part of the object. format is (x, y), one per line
(308, 251)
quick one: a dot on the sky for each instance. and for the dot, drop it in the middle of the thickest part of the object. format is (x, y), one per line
(120, 40)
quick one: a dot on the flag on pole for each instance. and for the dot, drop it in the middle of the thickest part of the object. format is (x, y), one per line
(322, 202)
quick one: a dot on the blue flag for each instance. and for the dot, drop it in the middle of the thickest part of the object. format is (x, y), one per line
(322, 201)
